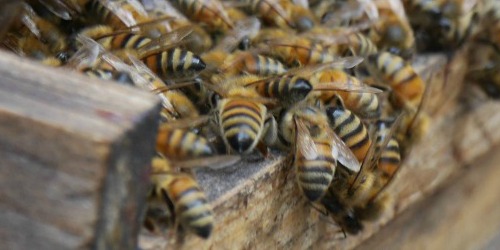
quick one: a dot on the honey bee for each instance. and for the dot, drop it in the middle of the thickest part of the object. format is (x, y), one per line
(208, 12)
(352, 199)
(317, 150)
(442, 24)
(178, 144)
(185, 200)
(197, 41)
(392, 32)
(272, 12)
(392, 70)
(241, 114)
(350, 129)
(120, 14)
(390, 156)
(302, 17)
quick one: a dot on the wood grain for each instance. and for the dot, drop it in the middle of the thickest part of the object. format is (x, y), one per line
(74, 158)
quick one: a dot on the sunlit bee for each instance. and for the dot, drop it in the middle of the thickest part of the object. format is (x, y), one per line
(190, 206)
(399, 75)
(179, 144)
(271, 12)
(117, 14)
(241, 120)
(209, 12)
(314, 159)
(289, 89)
(303, 51)
(390, 157)
(392, 32)
(173, 63)
(251, 63)
(350, 129)
(363, 104)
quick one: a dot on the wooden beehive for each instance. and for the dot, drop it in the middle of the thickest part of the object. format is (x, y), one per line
(259, 206)
(75, 160)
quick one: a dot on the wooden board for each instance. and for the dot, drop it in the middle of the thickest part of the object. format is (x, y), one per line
(74, 158)
(258, 204)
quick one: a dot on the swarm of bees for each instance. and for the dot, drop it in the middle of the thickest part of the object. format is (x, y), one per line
(329, 83)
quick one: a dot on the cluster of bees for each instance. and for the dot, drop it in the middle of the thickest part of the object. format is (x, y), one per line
(327, 82)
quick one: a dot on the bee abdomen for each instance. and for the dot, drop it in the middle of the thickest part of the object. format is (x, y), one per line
(174, 63)
(314, 176)
(194, 212)
(242, 123)
(181, 144)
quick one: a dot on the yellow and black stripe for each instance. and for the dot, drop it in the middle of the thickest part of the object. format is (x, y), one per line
(315, 175)
(399, 75)
(289, 89)
(390, 157)
(124, 41)
(350, 129)
(361, 45)
(174, 63)
(178, 144)
(242, 122)
(262, 65)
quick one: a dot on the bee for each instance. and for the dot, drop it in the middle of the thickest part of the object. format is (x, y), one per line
(241, 114)
(209, 12)
(272, 12)
(119, 14)
(442, 24)
(350, 129)
(197, 41)
(392, 32)
(390, 156)
(392, 70)
(178, 144)
(301, 51)
(302, 17)
(185, 200)
(354, 198)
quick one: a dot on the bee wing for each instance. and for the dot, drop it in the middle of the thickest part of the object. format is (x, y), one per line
(213, 162)
(63, 9)
(304, 144)
(248, 27)
(164, 7)
(370, 9)
(346, 86)
(349, 10)
(217, 7)
(28, 19)
(339, 63)
(87, 54)
(166, 41)
(345, 155)
(398, 9)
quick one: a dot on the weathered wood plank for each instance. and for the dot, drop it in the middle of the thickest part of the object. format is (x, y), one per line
(74, 157)
(463, 215)
(259, 206)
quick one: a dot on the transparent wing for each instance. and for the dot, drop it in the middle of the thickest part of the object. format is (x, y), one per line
(345, 155)
(63, 9)
(244, 28)
(304, 143)
(338, 63)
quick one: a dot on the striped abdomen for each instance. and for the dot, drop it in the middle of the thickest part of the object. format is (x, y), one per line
(181, 144)
(207, 12)
(174, 63)
(262, 65)
(289, 89)
(402, 78)
(242, 123)
(363, 104)
(268, 10)
(96, 9)
(192, 209)
(124, 41)
(390, 157)
(361, 45)
(315, 175)
(350, 129)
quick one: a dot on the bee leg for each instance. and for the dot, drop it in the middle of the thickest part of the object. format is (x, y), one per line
(270, 131)
(322, 212)
(262, 147)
